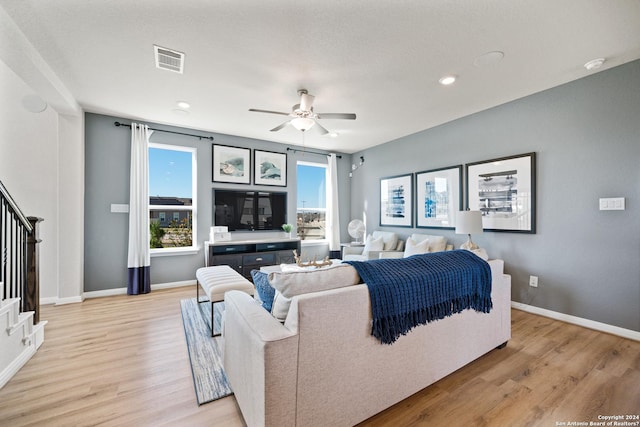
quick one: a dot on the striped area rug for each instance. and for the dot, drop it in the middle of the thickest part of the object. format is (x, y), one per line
(205, 353)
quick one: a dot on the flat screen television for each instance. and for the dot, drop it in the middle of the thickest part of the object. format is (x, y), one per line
(249, 210)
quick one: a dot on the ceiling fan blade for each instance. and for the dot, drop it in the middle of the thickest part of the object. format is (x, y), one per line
(306, 102)
(268, 111)
(322, 129)
(277, 128)
(345, 116)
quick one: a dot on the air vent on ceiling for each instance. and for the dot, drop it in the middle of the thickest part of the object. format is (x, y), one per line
(168, 59)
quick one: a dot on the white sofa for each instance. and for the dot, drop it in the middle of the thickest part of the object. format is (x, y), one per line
(387, 242)
(323, 367)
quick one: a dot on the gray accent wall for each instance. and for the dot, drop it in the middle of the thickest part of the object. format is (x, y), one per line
(107, 158)
(587, 138)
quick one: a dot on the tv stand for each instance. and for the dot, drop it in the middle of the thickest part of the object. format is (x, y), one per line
(246, 255)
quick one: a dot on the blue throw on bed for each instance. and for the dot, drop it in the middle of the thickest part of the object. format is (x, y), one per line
(412, 291)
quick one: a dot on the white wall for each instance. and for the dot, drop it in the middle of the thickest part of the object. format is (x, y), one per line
(29, 168)
(42, 160)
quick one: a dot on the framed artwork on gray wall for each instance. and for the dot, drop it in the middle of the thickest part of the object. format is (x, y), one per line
(504, 190)
(269, 168)
(396, 201)
(231, 164)
(438, 197)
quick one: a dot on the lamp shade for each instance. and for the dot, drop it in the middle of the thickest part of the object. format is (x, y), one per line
(468, 222)
(302, 123)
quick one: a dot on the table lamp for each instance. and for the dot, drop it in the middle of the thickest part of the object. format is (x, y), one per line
(469, 222)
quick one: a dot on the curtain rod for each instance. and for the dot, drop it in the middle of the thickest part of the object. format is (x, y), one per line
(295, 150)
(168, 131)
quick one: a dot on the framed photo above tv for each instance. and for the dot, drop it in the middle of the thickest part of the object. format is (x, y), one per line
(438, 197)
(396, 201)
(504, 190)
(269, 168)
(231, 164)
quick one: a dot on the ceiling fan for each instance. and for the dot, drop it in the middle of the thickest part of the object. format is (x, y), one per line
(302, 116)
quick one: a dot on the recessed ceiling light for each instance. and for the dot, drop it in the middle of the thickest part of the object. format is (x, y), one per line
(334, 134)
(447, 80)
(183, 104)
(594, 64)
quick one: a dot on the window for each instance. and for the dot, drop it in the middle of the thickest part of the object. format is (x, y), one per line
(311, 199)
(172, 201)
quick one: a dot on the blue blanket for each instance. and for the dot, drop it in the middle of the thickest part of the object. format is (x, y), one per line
(412, 291)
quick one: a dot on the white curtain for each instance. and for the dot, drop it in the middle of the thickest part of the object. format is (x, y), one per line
(333, 217)
(139, 260)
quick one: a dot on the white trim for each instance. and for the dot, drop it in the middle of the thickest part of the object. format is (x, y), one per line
(318, 242)
(48, 300)
(186, 250)
(194, 195)
(123, 291)
(16, 364)
(69, 300)
(591, 324)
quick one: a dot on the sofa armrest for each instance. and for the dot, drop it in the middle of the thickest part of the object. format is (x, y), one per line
(253, 340)
(352, 250)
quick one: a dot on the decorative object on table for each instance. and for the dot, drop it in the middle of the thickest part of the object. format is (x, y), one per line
(469, 222)
(302, 116)
(396, 201)
(326, 261)
(205, 353)
(219, 234)
(231, 164)
(438, 197)
(269, 168)
(356, 229)
(504, 190)
(287, 229)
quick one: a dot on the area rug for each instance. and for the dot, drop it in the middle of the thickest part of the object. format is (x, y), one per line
(205, 353)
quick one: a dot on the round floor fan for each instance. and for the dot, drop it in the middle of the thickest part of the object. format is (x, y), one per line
(356, 230)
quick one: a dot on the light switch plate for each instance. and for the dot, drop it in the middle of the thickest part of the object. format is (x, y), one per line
(612, 204)
(116, 208)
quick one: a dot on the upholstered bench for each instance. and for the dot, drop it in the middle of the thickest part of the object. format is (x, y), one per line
(217, 280)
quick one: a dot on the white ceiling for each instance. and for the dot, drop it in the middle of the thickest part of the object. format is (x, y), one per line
(378, 59)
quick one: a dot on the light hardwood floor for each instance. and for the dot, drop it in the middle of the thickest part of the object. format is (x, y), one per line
(122, 361)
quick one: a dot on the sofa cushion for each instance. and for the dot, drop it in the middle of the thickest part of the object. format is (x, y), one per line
(290, 284)
(295, 283)
(389, 240)
(436, 243)
(372, 244)
(414, 248)
(266, 292)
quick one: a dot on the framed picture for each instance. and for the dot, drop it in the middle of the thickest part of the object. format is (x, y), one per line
(231, 164)
(269, 168)
(396, 201)
(438, 197)
(504, 190)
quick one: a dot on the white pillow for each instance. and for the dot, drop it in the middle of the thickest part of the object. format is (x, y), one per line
(436, 243)
(372, 244)
(294, 283)
(413, 248)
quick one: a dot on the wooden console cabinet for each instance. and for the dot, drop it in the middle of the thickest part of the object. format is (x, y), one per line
(244, 256)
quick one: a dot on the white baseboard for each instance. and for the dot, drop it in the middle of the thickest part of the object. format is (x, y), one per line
(591, 324)
(123, 291)
(69, 300)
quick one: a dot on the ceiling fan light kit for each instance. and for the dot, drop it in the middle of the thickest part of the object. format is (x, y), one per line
(302, 116)
(303, 123)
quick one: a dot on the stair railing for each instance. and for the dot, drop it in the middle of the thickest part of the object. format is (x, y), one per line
(19, 272)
